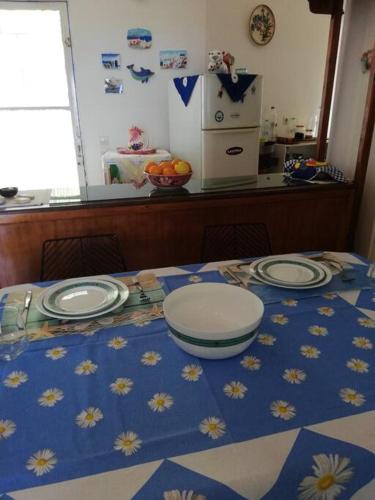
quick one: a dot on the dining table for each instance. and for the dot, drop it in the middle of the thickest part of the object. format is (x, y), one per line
(118, 411)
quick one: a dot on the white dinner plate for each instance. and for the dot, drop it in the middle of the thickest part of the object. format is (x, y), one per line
(80, 296)
(290, 270)
(327, 277)
(123, 294)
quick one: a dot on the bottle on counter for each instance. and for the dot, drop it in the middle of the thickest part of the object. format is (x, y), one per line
(273, 124)
(270, 123)
(292, 127)
(265, 132)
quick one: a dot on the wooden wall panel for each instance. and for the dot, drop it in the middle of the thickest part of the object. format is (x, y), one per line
(170, 233)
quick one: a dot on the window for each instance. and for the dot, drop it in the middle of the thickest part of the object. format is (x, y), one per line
(39, 134)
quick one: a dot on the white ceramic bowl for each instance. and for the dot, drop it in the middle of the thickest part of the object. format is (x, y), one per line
(213, 320)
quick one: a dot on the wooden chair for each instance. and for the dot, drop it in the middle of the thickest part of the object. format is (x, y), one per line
(81, 256)
(235, 241)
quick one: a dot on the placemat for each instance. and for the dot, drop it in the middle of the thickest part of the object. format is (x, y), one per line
(355, 278)
(143, 305)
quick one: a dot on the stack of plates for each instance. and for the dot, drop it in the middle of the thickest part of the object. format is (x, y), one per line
(82, 298)
(290, 272)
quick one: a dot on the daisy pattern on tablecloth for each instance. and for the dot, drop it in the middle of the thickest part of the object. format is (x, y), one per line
(195, 278)
(150, 358)
(41, 462)
(128, 442)
(191, 373)
(294, 375)
(15, 379)
(122, 386)
(266, 339)
(366, 322)
(330, 295)
(7, 428)
(309, 351)
(362, 343)
(235, 390)
(352, 397)
(117, 343)
(213, 427)
(160, 402)
(89, 417)
(182, 495)
(251, 363)
(357, 365)
(283, 410)
(331, 472)
(56, 353)
(326, 311)
(50, 397)
(279, 319)
(290, 302)
(318, 331)
(86, 368)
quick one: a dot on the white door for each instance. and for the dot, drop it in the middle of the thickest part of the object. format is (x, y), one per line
(221, 112)
(229, 157)
(39, 133)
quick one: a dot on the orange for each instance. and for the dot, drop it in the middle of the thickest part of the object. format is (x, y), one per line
(149, 165)
(175, 161)
(168, 171)
(155, 170)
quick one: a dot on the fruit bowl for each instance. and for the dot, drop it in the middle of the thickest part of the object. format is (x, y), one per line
(168, 181)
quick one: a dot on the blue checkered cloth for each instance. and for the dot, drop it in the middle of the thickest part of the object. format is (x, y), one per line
(299, 170)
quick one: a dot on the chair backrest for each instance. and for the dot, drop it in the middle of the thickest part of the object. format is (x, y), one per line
(81, 256)
(235, 241)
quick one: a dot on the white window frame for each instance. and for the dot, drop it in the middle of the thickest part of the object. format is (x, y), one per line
(62, 7)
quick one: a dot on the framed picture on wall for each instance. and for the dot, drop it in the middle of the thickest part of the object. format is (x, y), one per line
(262, 25)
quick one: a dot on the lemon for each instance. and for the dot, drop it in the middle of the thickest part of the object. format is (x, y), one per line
(182, 167)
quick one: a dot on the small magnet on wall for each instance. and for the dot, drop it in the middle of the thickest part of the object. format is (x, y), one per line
(142, 75)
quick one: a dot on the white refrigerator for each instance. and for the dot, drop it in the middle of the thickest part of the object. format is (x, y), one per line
(219, 137)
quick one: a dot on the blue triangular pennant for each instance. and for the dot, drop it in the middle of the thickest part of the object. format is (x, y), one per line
(236, 90)
(185, 87)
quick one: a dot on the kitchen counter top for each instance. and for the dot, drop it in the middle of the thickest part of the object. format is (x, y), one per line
(128, 194)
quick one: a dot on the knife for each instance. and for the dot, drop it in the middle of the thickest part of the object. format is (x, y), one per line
(26, 306)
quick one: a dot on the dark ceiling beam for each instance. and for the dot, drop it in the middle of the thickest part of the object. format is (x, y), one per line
(325, 6)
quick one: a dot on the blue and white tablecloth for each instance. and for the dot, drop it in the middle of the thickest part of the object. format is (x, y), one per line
(125, 414)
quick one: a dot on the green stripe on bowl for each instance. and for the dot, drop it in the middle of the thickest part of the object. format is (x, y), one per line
(212, 343)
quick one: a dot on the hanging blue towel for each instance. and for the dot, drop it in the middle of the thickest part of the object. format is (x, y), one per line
(236, 91)
(185, 91)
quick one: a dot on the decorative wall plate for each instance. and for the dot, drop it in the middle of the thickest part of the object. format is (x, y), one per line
(262, 25)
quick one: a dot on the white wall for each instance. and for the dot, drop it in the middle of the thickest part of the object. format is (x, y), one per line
(101, 26)
(348, 110)
(292, 64)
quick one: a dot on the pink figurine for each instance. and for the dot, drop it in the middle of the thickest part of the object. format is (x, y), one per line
(135, 139)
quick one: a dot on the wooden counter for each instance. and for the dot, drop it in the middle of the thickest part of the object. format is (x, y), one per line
(168, 231)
